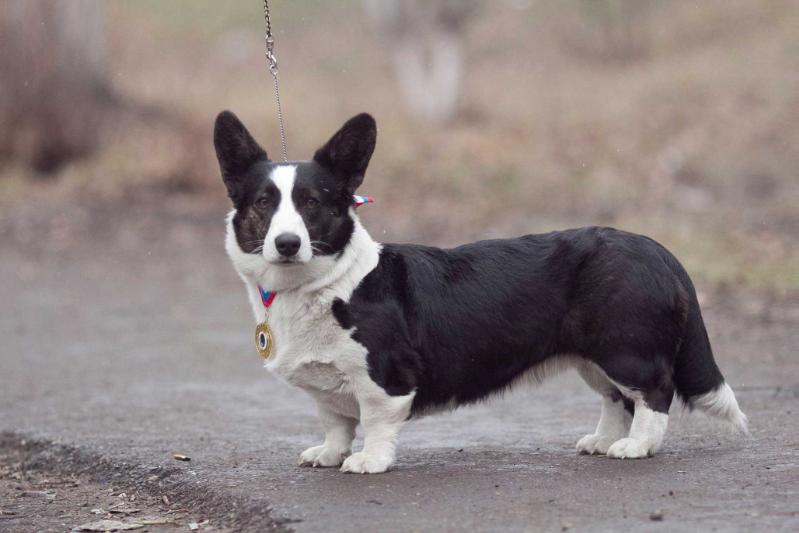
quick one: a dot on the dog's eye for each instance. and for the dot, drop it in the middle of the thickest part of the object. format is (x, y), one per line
(262, 202)
(311, 203)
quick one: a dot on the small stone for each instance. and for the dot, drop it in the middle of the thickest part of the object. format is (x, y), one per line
(656, 516)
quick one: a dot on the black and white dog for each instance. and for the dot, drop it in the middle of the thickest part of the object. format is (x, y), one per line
(380, 333)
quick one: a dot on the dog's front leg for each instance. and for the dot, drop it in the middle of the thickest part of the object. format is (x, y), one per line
(382, 416)
(339, 434)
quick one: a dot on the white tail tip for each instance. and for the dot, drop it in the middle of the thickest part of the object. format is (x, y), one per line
(721, 403)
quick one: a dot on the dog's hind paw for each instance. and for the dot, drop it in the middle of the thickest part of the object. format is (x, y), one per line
(629, 448)
(366, 463)
(595, 444)
(322, 456)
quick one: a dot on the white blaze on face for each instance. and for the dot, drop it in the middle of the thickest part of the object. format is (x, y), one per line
(286, 219)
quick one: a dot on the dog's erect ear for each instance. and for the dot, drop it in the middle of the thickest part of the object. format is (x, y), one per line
(347, 153)
(236, 151)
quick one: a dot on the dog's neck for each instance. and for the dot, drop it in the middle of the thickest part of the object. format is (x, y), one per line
(321, 279)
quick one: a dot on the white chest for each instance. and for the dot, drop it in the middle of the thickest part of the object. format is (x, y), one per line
(311, 350)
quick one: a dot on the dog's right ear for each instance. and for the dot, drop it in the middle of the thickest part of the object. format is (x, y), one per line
(236, 151)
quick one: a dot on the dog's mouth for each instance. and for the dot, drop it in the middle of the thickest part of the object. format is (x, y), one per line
(287, 261)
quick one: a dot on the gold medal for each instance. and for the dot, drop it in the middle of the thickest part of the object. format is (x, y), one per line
(263, 340)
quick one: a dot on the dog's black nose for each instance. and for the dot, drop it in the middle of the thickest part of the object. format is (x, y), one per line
(287, 244)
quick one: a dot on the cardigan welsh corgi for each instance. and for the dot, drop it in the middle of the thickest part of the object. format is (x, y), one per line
(380, 333)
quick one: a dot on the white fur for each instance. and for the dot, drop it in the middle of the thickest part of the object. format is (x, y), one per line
(646, 434)
(647, 429)
(721, 403)
(313, 352)
(286, 219)
(614, 424)
(614, 421)
(618, 434)
(339, 434)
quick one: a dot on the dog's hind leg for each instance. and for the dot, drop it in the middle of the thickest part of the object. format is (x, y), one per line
(614, 422)
(650, 421)
(646, 434)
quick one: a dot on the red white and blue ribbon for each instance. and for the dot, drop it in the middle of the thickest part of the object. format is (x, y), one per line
(267, 297)
(358, 200)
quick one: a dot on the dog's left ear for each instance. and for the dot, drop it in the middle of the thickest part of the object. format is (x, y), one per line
(347, 153)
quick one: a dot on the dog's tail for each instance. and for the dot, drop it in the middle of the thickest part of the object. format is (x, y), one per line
(697, 379)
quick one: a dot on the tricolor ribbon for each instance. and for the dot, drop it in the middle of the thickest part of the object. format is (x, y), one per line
(267, 297)
(358, 200)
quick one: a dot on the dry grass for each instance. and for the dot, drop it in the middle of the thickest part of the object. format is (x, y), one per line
(689, 135)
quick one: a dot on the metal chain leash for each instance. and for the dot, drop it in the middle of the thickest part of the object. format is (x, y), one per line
(272, 63)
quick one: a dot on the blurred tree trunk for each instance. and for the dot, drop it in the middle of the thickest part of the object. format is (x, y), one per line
(425, 41)
(54, 85)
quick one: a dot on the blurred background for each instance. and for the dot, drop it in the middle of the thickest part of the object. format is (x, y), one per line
(126, 331)
(677, 119)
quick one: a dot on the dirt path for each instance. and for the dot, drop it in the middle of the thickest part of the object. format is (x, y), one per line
(134, 345)
(37, 497)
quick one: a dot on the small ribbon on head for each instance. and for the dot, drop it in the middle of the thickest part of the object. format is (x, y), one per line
(358, 200)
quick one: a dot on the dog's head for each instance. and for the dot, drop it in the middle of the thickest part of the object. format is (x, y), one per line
(287, 214)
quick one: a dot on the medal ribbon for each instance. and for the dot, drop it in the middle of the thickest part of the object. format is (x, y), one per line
(267, 297)
(263, 334)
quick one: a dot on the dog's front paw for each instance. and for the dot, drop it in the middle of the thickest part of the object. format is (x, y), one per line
(595, 444)
(322, 456)
(629, 448)
(366, 463)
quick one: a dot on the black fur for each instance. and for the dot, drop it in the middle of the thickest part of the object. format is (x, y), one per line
(348, 152)
(457, 325)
